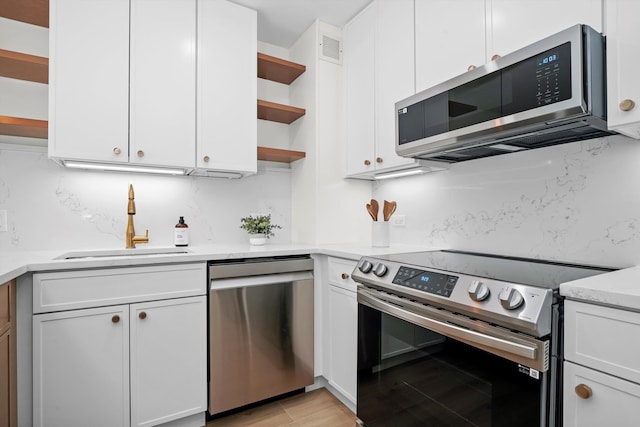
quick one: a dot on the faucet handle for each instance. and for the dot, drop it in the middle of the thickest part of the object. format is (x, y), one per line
(140, 239)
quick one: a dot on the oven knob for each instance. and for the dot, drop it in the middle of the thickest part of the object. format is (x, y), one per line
(478, 291)
(365, 266)
(379, 269)
(511, 299)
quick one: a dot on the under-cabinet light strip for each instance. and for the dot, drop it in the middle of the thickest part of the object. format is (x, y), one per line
(399, 174)
(123, 168)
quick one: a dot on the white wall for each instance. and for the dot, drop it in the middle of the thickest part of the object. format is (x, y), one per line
(50, 207)
(325, 207)
(576, 202)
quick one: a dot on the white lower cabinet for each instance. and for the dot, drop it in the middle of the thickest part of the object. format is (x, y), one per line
(343, 353)
(610, 401)
(602, 366)
(342, 324)
(136, 364)
(81, 367)
(168, 340)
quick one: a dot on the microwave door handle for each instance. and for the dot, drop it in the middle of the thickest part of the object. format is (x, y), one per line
(449, 330)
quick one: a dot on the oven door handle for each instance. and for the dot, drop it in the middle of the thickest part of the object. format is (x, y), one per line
(449, 330)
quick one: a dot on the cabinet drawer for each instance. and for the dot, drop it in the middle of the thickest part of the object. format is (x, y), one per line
(603, 338)
(340, 273)
(69, 290)
(613, 401)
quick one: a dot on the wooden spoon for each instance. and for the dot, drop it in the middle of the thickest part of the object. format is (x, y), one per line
(388, 209)
(375, 208)
(372, 213)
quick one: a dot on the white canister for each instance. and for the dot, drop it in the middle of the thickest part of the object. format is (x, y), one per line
(380, 234)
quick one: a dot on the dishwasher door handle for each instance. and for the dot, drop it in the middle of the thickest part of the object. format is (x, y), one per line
(267, 279)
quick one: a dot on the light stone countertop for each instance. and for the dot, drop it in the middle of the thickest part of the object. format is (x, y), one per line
(619, 289)
(16, 263)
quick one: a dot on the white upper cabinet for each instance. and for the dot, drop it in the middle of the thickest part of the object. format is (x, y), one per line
(227, 87)
(379, 71)
(453, 35)
(623, 85)
(358, 62)
(394, 75)
(89, 80)
(163, 82)
(512, 25)
(447, 40)
(136, 81)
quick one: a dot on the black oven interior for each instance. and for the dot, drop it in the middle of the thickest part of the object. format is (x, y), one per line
(411, 376)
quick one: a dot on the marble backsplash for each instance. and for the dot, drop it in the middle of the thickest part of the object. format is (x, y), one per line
(574, 202)
(50, 207)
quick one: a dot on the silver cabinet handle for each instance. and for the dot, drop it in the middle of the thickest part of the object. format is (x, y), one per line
(267, 279)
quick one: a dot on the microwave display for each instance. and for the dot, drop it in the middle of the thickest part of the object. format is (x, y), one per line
(534, 82)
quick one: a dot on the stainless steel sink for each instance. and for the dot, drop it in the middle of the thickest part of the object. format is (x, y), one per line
(123, 253)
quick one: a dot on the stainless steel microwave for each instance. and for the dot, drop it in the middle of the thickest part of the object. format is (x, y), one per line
(551, 92)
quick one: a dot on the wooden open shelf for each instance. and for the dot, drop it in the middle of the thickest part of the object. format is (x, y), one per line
(22, 66)
(281, 71)
(278, 112)
(34, 12)
(18, 126)
(279, 155)
(278, 70)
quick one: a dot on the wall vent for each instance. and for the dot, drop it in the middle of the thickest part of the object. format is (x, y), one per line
(331, 49)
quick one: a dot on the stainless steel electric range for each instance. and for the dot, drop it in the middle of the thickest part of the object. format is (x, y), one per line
(448, 338)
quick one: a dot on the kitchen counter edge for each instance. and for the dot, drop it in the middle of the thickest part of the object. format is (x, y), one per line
(16, 263)
(619, 289)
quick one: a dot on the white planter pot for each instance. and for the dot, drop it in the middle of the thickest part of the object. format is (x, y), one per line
(257, 239)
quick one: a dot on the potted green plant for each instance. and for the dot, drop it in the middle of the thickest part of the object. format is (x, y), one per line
(259, 228)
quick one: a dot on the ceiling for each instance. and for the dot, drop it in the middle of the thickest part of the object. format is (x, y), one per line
(281, 22)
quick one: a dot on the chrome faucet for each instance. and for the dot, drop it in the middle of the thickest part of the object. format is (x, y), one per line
(131, 238)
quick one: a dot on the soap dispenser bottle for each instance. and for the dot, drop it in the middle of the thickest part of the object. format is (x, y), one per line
(182, 233)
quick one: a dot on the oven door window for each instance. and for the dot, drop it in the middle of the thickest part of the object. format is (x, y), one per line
(411, 376)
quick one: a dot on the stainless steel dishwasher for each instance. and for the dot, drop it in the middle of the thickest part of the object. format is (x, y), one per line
(260, 329)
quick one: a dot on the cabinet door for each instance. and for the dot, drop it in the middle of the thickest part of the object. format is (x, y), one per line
(227, 87)
(589, 341)
(343, 333)
(358, 62)
(623, 35)
(6, 389)
(89, 79)
(516, 24)
(448, 41)
(613, 401)
(394, 75)
(81, 368)
(163, 82)
(168, 360)
(7, 355)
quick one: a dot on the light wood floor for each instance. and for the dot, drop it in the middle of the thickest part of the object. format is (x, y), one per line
(315, 408)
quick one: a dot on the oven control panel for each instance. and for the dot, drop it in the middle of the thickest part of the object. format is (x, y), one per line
(512, 305)
(426, 281)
